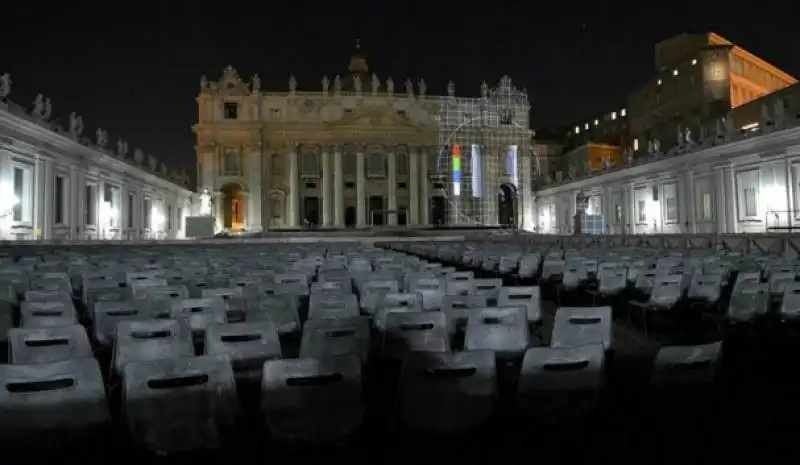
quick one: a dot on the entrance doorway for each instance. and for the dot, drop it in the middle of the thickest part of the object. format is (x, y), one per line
(376, 210)
(233, 207)
(311, 211)
(438, 211)
(350, 217)
(507, 205)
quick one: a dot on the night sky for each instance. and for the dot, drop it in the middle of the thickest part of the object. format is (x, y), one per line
(134, 68)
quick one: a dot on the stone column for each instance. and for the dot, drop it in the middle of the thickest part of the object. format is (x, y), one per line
(731, 223)
(327, 194)
(123, 210)
(77, 189)
(391, 187)
(719, 203)
(253, 204)
(338, 188)
(361, 189)
(491, 184)
(789, 184)
(526, 211)
(424, 201)
(689, 203)
(414, 186)
(294, 190)
(219, 197)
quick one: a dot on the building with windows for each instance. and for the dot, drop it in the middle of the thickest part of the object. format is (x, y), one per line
(698, 79)
(359, 151)
(57, 184)
(733, 182)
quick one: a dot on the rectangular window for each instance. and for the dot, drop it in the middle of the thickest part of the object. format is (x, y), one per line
(146, 214)
(131, 205)
(672, 210)
(750, 201)
(169, 217)
(19, 194)
(90, 204)
(641, 212)
(707, 206)
(309, 164)
(59, 200)
(376, 165)
(231, 110)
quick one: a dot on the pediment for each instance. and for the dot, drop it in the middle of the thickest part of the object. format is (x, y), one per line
(376, 118)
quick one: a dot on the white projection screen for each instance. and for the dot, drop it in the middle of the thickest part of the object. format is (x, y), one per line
(477, 175)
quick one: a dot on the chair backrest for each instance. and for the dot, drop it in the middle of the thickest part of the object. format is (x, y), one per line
(581, 326)
(686, 364)
(549, 370)
(503, 330)
(406, 332)
(333, 305)
(528, 296)
(336, 337)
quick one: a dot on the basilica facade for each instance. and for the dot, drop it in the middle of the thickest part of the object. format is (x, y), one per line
(357, 152)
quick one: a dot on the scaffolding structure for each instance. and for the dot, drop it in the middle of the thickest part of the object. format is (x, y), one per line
(483, 158)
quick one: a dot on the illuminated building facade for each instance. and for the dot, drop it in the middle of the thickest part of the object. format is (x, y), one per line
(699, 78)
(58, 183)
(356, 152)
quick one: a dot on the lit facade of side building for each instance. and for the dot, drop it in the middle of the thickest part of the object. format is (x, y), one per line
(361, 151)
(733, 182)
(697, 79)
(56, 184)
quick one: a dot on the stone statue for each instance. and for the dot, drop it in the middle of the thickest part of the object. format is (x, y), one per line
(571, 173)
(48, 109)
(778, 112)
(728, 122)
(656, 146)
(5, 86)
(409, 88)
(451, 89)
(38, 106)
(256, 84)
(376, 83)
(122, 148)
(75, 124)
(765, 113)
(390, 86)
(484, 89)
(152, 162)
(205, 203)
(650, 148)
(720, 127)
(687, 136)
(203, 82)
(101, 138)
(357, 84)
(337, 85)
(138, 156)
(163, 169)
(423, 87)
(326, 83)
(292, 84)
(680, 140)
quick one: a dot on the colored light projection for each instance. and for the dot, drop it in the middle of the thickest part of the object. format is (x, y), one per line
(511, 165)
(477, 178)
(456, 163)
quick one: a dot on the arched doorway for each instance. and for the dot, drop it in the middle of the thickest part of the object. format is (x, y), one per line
(233, 207)
(507, 205)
